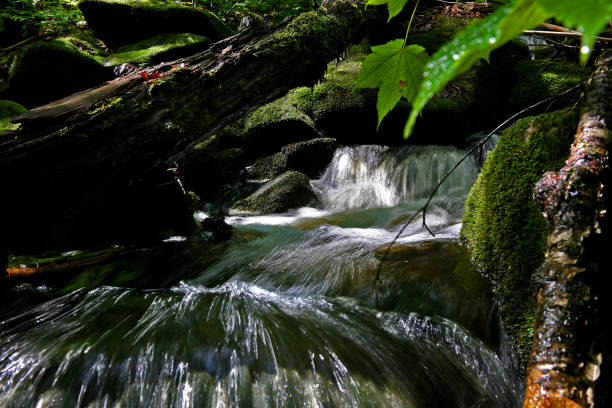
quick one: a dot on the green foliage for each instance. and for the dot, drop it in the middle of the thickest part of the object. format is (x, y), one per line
(483, 36)
(272, 10)
(47, 16)
(394, 68)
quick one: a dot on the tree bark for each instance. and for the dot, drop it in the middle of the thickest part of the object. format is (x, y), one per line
(93, 167)
(566, 356)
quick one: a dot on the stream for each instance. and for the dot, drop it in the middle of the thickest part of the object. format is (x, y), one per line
(282, 315)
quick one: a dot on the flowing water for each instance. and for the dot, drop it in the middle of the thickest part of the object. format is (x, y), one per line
(281, 315)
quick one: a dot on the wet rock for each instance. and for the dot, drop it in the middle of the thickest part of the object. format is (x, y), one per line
(289, 190)
(309, 157)
(47, 71)
(119, 22)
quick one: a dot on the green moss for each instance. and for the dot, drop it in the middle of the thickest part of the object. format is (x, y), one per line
(275, 111)
(502, 225)
(155, 49)
(336, 92)
(8, 110)
(540, 79)
(105, 105)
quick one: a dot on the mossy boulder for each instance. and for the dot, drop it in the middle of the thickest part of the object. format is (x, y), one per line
(158, 49)
(8, 110)
(47, 71)
(274, 125)
(540, 79)
(122, 22)
(289, 190)
(309, 157)
(502, 224)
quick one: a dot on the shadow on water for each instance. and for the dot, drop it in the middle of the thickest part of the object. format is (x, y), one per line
(279, 316)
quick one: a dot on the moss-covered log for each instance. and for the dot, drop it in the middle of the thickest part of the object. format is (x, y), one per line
(568, 341)
(93, 167)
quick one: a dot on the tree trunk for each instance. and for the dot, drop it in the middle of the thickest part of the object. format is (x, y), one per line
(93, 167)
(566, 356)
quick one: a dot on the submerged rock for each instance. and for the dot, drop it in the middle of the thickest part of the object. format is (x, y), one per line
(502, 224)
(309, 157)
(121, 22)
(47, 71)
(289, 190)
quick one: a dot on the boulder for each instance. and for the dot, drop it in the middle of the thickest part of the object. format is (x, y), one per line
(121, 22)
(166, 47)
(47, 71)
(502, 224)
(309, 157)
(289, 190)
(274, 125)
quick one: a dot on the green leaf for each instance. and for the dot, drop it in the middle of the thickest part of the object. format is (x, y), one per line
(394, 69)
(475, 42)
(394, 6)
(589, 17)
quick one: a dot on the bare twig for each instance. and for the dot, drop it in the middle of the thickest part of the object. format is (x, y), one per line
(435, 190)
(565, 34)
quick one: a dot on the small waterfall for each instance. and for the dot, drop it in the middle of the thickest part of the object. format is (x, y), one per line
(378, 176)
(280, 316)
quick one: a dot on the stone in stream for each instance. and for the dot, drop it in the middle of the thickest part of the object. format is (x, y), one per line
(121, 22)
(309, 157)
(289, 190)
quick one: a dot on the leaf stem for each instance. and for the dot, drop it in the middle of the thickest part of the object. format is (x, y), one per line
(410, 23)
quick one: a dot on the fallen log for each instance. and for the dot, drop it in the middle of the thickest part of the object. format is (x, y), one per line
(573, 299)
(93, 167)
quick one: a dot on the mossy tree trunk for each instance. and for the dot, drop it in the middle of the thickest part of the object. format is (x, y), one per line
(93, 167)
(566, 356)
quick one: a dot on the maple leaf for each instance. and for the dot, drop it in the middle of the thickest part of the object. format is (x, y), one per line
(395, 69)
